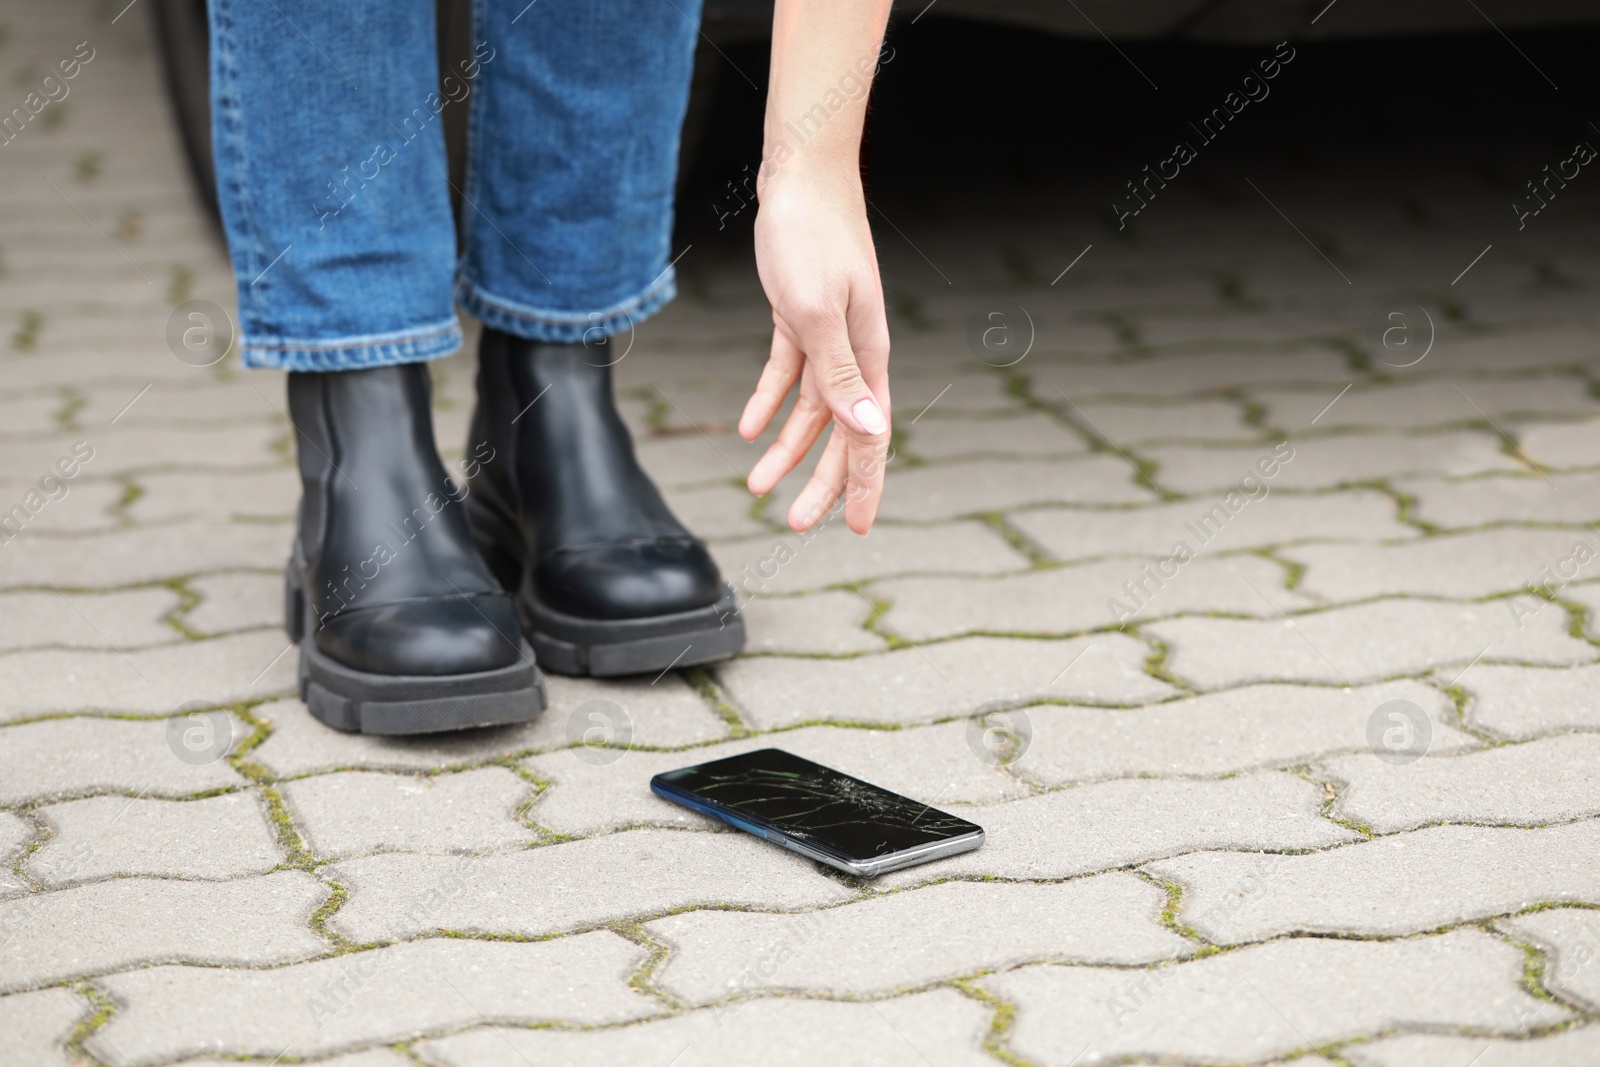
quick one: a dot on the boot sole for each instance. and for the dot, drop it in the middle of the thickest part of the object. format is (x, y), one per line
(396, 704)
(608, 648)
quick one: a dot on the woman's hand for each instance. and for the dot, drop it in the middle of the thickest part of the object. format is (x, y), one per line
(814, 252)
(817, 264)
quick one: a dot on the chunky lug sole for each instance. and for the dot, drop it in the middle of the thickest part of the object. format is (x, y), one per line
(391, 705)
(606, 648)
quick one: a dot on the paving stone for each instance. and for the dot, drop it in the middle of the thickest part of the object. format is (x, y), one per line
(121, 448)
(143, 554)
(269, 493)
(1219, 733)
(716, 511)
(788, 563)
(156, 680)
(1072, 599)
(218, 837)
(861, 949)
(1571, 938)
(127, 922)
(933, 764)
(1326, 462)
(1487, 787)
(1362, 643)
(14, 834)
(940, 1026)
(230, 602)
(354, 813)
(1268, 999)
(949, 490)
(1133, 424)
(580, 884)
(37, 1026)
(1573, 498)
(87, 506)
(332, 1004)
(126, 618)
(1523, 702)
(1564, 444)
(1033, 434)
(377, 1057)
(1177, 375)
(667, 713)
(694, 459)
(938, 681)
(1403, 884)
(1276, 519)
(65, 757)
(1578, 1047)
(1463, 565)
(1527, 346)
(1421, 403)
(1134, 820)
(825, 624)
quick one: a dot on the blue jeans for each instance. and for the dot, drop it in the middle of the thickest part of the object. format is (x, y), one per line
(326, 121)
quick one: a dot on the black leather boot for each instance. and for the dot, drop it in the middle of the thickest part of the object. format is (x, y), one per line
(607, 579)
(402, 628)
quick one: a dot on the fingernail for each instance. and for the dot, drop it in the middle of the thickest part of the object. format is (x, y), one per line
(870, 416)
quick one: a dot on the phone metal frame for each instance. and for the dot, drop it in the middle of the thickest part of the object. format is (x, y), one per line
(894, 861)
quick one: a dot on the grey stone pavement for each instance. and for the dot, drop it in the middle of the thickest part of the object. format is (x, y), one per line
(1321, 787)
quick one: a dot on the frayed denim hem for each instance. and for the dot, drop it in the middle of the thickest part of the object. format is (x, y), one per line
(566, 327)
(354, 353)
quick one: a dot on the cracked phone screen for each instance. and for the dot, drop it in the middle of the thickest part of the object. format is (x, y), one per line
(817, 805)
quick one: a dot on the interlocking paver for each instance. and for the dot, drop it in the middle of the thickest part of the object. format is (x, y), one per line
(1577, 1047)
(940, 680)
(86, 506)
(661, 713)
(948, 490)
(595, 791)
(1363, 643)
(1133, 820)
(1269, 999)
(1219, 733)
(940, 1026)
(1487, 787)
(1408, 882)
(121, 448)
(1523, 702)
(376, 1057)
(1565, 444)
(327, 1005)
(142, 554)
(829, 623)
(354, 813)
(15, 832)
(862, 949)
(787, 563)
(64, 757)
(269, 493)
(1014, 435)
(37, 1025)
(1088, 596)
(1463, 565)
(122, 619)
(1420, 403)
(1276, 519)
(1570, 498)
(218, 837)
(715, 512)
(230, 602)
(1325, 462)
(1571, 937)
(126, 922)
(579, 883)
(1131, 424)
(1173, 375)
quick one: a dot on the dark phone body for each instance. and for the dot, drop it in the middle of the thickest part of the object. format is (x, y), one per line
(818, 812)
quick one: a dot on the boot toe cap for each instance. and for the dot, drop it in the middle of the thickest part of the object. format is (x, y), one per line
(630, 581)
(428, 637)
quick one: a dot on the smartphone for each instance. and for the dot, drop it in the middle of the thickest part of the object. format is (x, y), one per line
(818, 812)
